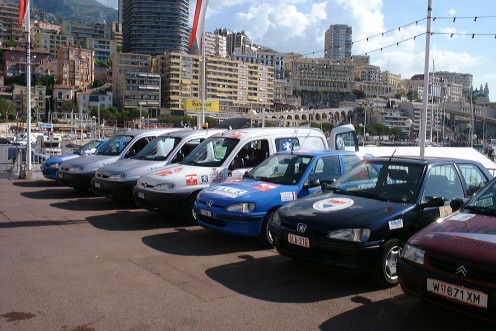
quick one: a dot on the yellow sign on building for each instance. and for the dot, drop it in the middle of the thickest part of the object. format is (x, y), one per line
(196, 105)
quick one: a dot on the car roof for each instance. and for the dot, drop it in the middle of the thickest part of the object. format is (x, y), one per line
(192, 132)
(254, 132)
(138, 132)
(318, 153)
(423, 160)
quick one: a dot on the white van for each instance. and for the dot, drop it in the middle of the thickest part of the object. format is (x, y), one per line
(78, 172)
(116, 180)
(227, 155)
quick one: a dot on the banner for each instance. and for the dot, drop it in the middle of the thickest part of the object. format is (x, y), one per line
(196, 105)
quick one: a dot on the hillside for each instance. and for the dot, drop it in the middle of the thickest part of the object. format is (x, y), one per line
(56, 11)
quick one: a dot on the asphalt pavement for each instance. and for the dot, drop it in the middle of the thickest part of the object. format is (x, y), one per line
(73, 261)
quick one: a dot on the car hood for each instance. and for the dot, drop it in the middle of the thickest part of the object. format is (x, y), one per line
(181, 175)
(462, 235)
(248, 190)
(61, 158)
(335, 211)
(91, 161)
(131, 167)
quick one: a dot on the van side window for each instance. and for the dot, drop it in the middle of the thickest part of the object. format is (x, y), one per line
(138, 146)
(287, 144)
(254, 152)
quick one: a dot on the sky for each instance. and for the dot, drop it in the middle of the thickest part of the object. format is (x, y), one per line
(458, 42)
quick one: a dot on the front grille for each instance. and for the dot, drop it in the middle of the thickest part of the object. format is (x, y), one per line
(146, 204)
(210, 220)
(97, 175)
(474, 273)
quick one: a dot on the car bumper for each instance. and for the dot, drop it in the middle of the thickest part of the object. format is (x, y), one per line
(349, 256)
(49, 172)
(119, 190)
(413, 281)
(159, 202)
(241, 224)
(76, 180)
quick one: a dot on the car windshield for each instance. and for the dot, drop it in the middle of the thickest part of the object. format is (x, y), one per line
(284, 169)
(89, 148)
(382, 180)
(484, 201)
(158, 149)
(114, 145)
(212, 152)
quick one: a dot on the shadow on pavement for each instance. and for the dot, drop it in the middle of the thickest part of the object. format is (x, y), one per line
(92, 203)
(35, 183)
(406, 313)
(196, 241)
(279, 279)
(54, 194)
(132, 220)
(36, 223)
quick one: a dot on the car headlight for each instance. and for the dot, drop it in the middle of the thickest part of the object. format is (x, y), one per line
(358, 235)
(164, 187)
(276, 219)
(117, 177)
(245, 207)
(414, 254)
(52, 165)
(75, 169)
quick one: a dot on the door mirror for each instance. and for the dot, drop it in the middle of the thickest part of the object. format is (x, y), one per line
(456, 204)
(312, 183)
(434, 202)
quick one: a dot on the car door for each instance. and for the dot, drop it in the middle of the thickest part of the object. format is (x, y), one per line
(441, 181)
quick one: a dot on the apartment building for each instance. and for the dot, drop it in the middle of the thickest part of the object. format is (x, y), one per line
(155, 27)
(338, 42)
(390, 78)
(91, 99)
(141, 90)
(13, 60)
(319, 74)
(51, 41)
(232, 86)
(75, 67)
(38, 100)
(10, 32)
(215, 44)
(263, 57)
(368, 73)
(122, 63)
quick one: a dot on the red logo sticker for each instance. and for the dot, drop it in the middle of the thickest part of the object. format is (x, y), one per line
(191, 180)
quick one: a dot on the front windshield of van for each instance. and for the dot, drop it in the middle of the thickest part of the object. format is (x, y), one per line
(212, 152)
(89, 148)
(115, 145)
(158, 149)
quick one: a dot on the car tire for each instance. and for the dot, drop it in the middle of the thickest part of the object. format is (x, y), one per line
(387, 275)
(190, 214)
(265, 238)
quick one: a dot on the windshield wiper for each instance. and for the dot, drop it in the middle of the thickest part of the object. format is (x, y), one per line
(366, 194)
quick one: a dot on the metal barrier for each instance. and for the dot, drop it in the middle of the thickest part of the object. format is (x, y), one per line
(13, 160)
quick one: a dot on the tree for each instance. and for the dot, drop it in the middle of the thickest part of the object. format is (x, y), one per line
(8, 110)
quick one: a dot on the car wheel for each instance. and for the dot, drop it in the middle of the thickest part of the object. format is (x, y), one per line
(387, 274)
(190, 209)
(265, 236)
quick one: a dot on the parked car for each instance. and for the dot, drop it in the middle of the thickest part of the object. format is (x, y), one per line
(223, 156)
(50, 167)
(452, 262)
(371, 210)
(245, 206)
(116, 180)
(77, 172)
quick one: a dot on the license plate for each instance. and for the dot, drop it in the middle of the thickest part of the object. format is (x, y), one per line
(206, 213)
(298, 240)
(97, 185)
(457, 293)
(141, 195)
(60, 175)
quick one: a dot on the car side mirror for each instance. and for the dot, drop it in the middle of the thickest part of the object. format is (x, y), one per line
(434, 202)
(456, 204)
(311, 183)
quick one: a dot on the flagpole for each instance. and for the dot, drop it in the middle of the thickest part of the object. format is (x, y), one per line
(28, 83)
(204, 79)
(423, 118)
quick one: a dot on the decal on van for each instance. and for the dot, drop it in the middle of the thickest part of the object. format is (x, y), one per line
(169, 171)
(191, 180)
(333, 204)
(228, 191)
(265, 187)
(288, 196)
(204, 179)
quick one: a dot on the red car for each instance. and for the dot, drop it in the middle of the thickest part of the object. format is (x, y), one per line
(452, 262)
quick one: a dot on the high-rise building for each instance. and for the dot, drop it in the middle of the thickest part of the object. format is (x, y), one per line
(155, 27)
(9, 30)
(337, 42)
(75, 67)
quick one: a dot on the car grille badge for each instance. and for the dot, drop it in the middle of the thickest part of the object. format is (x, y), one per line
(209, 203)
(301, 228)
(461, 271)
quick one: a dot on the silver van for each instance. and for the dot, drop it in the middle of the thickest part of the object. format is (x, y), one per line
(117, 180)
(78, 172)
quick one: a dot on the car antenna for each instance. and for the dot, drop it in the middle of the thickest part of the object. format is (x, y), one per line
(393, 154)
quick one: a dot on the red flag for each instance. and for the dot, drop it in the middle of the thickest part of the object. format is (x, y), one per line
(199, 22)
(22, 10)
